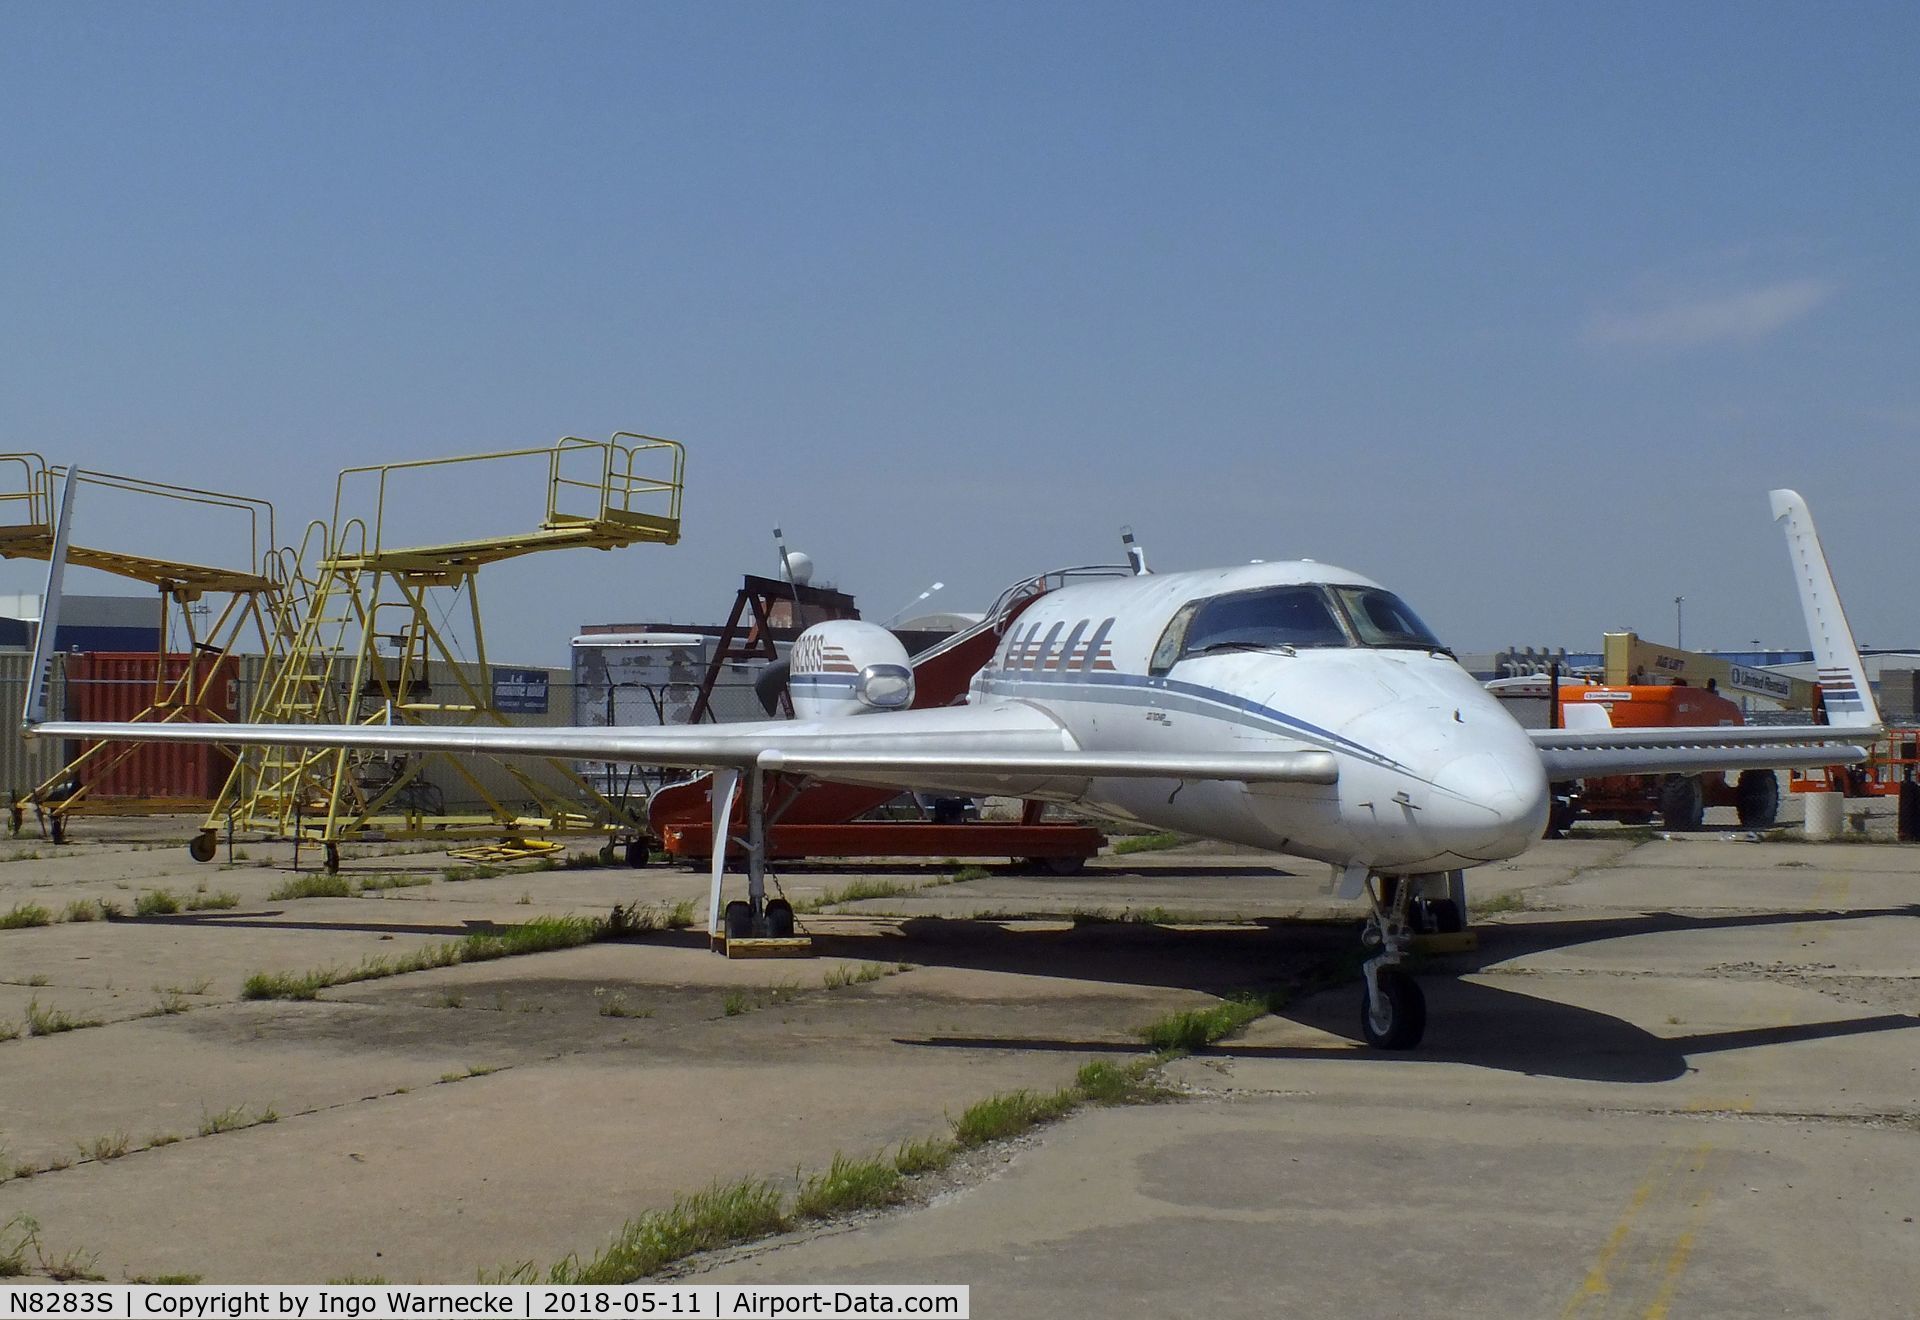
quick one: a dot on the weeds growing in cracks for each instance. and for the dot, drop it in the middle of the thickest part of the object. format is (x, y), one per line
(536, 936)
(727, 1214)
(234, 1119)
(24, 915)
(312, 886)
(1148, 843)
(52, 1021)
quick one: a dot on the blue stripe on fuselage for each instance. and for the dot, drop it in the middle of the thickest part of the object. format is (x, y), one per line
(1139, 690)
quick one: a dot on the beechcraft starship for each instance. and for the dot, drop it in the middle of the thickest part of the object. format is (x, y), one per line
(1294, 706)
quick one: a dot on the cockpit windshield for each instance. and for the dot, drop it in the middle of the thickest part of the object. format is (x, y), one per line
(1270, 616)
(1292, 618)
(1381, 618)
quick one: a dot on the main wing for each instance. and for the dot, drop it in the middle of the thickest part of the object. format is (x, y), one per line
(1590, 755)
(1583, 754)
(1010, 748)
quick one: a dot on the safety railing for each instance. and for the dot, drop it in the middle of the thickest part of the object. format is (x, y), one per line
(620, 480)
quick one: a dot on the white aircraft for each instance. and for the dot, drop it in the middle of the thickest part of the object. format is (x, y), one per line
(1295, 707)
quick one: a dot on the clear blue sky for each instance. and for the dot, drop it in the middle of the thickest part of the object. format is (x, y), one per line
(1519, 308)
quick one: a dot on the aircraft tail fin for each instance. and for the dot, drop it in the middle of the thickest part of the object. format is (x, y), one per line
(1843, 679)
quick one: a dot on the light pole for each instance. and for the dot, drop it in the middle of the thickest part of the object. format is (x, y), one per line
(1679, 625)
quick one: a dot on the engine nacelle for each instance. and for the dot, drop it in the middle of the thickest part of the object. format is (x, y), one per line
(846, 667)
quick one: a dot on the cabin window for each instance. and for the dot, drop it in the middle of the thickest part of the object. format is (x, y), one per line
(1381, 618)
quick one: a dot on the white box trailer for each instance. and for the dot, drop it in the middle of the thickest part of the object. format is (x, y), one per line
(637, 680)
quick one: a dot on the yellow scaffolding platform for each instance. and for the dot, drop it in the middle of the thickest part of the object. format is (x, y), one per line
(364, 593)
(254, 611)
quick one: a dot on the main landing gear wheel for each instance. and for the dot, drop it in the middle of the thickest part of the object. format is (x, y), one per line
(202, 846)
(1396, 1017)
(1438, 916)
(1561, 816)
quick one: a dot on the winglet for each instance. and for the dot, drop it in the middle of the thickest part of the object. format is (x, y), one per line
(1843, 679)
(45, 635)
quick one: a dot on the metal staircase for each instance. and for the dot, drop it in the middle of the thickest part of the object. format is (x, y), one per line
(371, 642)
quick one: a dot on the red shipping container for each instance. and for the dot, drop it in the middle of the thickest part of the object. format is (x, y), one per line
(118, 686)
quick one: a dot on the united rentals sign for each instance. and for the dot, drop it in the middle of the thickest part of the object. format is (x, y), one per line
(1760, 682)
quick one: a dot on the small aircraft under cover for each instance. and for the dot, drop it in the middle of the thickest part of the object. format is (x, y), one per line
(1295, 707)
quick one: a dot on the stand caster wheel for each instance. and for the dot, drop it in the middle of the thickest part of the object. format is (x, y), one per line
(202, 846)
(780, 919)
(1396, 1019)
(739, 920)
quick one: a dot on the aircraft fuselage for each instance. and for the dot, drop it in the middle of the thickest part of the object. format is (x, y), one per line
(1434, 774)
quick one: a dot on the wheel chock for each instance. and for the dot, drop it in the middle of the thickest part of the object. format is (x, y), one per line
(794, 946)
(1459, 941)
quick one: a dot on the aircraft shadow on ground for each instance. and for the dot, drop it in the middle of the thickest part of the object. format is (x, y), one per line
(1469, 1021)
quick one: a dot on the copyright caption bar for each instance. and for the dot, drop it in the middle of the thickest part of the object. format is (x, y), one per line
(138, 1301)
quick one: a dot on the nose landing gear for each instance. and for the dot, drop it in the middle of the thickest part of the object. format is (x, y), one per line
(1393, 1008)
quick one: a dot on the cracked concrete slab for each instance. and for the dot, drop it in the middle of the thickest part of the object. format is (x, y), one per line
(1675, 1075)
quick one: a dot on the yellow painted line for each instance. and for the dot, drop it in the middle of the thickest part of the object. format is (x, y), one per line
(1686, 1177)
(1682, 1250)
(1597, 1283)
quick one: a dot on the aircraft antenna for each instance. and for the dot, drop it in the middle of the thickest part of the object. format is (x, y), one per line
(1136, 553)
(786, 571)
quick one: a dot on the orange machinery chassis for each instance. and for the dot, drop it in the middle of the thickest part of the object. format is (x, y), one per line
(1895, 758)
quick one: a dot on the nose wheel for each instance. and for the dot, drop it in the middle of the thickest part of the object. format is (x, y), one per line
(1393, 1008)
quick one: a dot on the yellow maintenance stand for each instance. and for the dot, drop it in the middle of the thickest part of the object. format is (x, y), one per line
(374, 644)
(195, 662)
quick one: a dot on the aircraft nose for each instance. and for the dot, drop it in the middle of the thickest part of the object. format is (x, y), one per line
(1487, 806)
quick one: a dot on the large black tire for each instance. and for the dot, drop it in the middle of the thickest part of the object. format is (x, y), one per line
(950, 811)
(1757, 798)
(780, 919)
(1054, 865)
(1560, 817)
(1908, 821)
(1683, 803)
(636, 853)
(202, 846)
(1401, 1019)
(1438, 916)
(739, 920)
